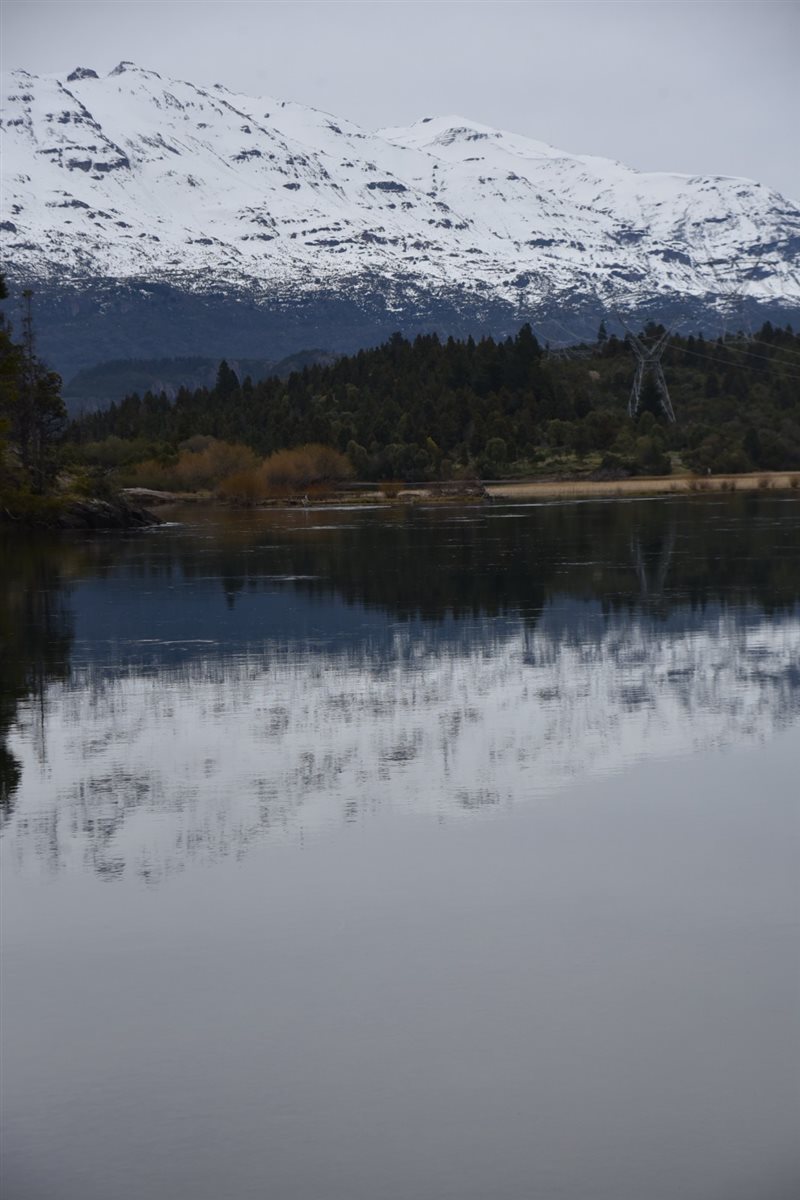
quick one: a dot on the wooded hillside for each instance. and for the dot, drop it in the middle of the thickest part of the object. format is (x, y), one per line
(427, 408)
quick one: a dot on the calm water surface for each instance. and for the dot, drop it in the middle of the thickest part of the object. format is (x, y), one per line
(404, 855)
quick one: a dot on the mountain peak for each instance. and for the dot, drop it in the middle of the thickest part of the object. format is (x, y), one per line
(82, 73)
(126, 66)
(448, 128)
(460, 138)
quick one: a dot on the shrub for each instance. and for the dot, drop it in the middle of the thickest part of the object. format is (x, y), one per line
(284, 473)
(112, 452)
(291, 470)
(201, 464)
(616, 465)
(151, 473)
(730, 461)
(496, 452)
(359, 457)
(651, 457)
(207, 466)
(93, 483)
(244, 487)
(197, 443)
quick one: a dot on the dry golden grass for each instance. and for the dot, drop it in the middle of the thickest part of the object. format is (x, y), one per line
(661, 485)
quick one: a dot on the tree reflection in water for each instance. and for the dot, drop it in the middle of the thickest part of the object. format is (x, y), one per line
(174, 696)
(35, 643)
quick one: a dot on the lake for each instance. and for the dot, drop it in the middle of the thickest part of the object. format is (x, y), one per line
(389, 853)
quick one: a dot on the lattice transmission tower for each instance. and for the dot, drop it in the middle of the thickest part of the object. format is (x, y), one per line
(648, 362)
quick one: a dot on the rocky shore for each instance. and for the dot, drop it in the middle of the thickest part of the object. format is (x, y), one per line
(76, 512)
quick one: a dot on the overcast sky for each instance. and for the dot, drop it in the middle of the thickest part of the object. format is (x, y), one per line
(700, 87)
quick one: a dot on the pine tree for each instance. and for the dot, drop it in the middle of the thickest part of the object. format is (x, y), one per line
(31, 407)
(41, 414)
(227, 381)
(9, 382)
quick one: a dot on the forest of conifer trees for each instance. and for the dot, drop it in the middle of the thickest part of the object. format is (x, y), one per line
(434, 409)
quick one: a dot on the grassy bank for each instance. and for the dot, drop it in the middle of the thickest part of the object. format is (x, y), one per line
(645, 486)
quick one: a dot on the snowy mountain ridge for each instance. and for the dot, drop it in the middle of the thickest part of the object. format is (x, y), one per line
(134, 178)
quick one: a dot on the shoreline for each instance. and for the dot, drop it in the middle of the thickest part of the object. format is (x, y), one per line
(69, 512)
(450, 492)
(132, 508)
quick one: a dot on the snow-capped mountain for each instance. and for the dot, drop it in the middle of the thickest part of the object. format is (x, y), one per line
(156, 215)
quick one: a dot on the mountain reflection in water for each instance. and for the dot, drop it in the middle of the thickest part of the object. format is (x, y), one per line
(173, 696)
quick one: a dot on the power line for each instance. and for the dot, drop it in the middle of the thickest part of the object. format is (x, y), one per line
(740, 350)
(736, 348)
(726, 346)
(709, 358)
(776, 349)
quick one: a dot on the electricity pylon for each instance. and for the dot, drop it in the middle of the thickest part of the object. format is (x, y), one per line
(648, 362)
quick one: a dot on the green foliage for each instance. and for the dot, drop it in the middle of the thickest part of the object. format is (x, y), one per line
(112, 452)
(92, 483)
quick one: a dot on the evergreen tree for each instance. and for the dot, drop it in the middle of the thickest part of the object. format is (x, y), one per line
(30, 396)
(41, 414)
(227, 381)
(751, 444)
(10, 362)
